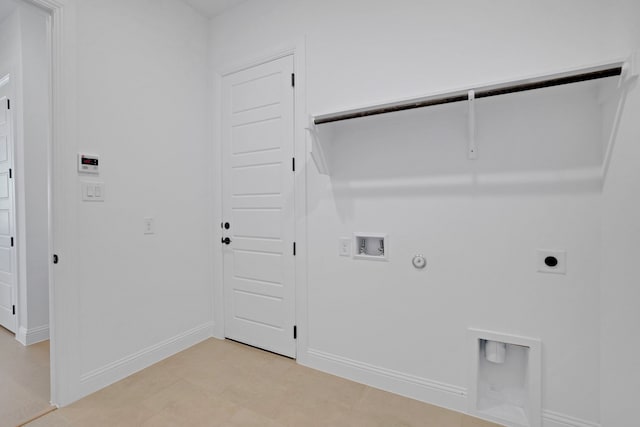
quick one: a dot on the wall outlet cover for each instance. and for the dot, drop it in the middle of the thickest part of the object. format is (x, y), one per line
(551, 261)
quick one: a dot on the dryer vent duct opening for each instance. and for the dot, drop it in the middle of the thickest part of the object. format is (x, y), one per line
(495, 351)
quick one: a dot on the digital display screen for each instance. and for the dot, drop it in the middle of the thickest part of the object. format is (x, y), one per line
(87, 161)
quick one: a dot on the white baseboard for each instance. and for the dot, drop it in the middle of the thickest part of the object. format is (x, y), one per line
(437, 393)
(106, 375)
(432, 392)
(32, 335)
(555, 419)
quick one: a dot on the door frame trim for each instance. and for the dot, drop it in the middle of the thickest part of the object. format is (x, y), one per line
(297, 49)
(63, 357)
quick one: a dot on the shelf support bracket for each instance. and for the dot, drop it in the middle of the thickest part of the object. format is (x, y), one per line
(317, 151)
(473, 147)
(628, 78)
(630, 70)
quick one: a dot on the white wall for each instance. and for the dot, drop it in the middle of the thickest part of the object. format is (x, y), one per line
(137, 77)
(31, 177)
(620, 294)
(9, 41)
(479, 239)
(123, 297)
(142, 98)
(620, 373)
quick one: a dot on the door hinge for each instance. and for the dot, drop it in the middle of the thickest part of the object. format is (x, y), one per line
(294, 248)
(12, 242)
(10, 173)
(293, 80)
(14, 310)
(295, 332)
(293, 164)
(8, 104)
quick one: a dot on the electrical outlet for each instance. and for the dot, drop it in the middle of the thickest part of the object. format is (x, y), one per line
(345, 246)
(551, 261)
(149, 226)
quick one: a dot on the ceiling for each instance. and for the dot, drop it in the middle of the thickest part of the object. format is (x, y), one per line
(6, 7)
(212, 8)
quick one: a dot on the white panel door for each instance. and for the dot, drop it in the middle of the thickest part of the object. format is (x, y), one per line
(257, 153)
(7, 215)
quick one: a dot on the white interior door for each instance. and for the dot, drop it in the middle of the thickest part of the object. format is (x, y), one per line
(258, 205)
(7, 214)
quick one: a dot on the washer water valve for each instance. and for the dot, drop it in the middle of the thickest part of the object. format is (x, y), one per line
(419, 262)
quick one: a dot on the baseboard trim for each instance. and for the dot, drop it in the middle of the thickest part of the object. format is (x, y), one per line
(434, 392)
(30, 336)
(106, 375)
(556, 419)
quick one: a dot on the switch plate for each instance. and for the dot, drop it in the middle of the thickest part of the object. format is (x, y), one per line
(92, 191)
(344, 248)
(551, 261)
(149, 226)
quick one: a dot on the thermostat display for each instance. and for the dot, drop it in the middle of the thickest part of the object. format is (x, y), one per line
(88, 163)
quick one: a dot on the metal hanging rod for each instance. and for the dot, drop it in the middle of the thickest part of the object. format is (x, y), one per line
(479, 93)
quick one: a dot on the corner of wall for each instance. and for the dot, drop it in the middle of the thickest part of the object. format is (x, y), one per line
(27, 336)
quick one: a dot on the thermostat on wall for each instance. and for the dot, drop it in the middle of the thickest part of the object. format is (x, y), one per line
(88, 163)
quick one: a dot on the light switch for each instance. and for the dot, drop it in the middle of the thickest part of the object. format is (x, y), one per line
(92, 191)
(345, 246)
(149, 226)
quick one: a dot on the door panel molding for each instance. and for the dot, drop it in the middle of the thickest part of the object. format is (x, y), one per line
(257, 184)
(297, 49)
(8, 250)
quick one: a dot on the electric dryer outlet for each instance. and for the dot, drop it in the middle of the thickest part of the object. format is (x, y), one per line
(551, 261)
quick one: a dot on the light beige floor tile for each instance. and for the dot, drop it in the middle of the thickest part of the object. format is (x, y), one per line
(476, 422)
(306, 384)
(248, 418)
(53, 419)
(173, 394)
(222, 383)
(24, 380)
(257, 394)
(204, 411)
(404, 411)
(320, 413)
(121, 396)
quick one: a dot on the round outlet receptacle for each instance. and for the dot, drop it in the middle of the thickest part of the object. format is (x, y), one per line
(551, 261)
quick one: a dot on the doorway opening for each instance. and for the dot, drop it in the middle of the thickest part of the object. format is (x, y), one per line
(25, 171)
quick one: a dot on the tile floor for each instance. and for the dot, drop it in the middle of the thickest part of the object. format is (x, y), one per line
(24, 380)
(223, 383)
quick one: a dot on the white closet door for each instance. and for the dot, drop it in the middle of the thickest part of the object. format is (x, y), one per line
(258, 180)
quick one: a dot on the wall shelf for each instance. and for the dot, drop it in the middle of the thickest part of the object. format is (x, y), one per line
(626, 71)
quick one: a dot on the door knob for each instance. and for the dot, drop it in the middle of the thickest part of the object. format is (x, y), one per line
(226, 240)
